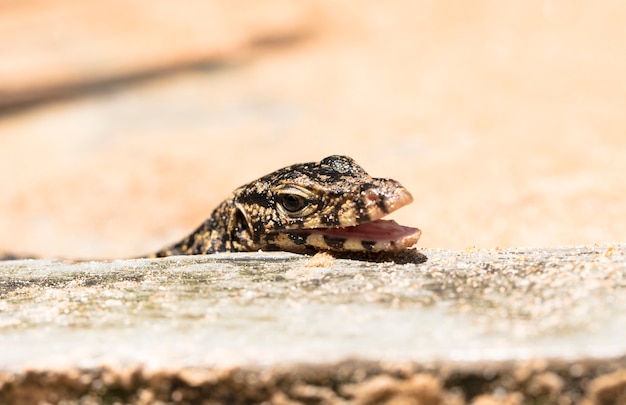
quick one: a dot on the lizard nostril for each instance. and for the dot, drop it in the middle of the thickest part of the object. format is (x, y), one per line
(371, 195)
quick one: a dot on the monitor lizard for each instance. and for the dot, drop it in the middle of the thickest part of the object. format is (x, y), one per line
(332, 205)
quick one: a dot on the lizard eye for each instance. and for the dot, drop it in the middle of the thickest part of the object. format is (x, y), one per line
(295, 202)
(292, 203)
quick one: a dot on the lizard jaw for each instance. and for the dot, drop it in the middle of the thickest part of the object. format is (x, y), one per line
(377, 236)
(374, 235)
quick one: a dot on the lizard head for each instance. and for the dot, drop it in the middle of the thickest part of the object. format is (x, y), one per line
(328, 205)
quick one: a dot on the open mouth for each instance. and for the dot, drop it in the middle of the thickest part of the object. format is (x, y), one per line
(376, 236)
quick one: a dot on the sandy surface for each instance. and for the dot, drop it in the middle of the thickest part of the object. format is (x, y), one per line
(506, 121)
(278, 308)
(463, 327)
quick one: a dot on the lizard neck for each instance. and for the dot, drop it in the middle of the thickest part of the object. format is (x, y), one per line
(223, 231)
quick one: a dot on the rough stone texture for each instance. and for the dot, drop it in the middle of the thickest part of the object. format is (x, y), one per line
(476, 326)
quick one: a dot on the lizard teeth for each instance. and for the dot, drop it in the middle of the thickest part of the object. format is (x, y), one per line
(377, 236)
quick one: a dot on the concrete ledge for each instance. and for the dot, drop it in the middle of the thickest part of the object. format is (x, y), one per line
(517, 324)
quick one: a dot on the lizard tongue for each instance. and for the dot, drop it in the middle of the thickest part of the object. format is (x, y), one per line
(376, 231)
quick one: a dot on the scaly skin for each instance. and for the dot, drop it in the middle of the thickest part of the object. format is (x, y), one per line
(332, 205)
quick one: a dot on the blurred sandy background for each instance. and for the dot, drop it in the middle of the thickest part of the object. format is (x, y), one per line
(123, 123)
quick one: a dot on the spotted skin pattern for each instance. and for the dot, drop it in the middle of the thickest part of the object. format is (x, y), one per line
(331, 205)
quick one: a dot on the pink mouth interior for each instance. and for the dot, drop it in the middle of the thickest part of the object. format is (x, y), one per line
(377, 231)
